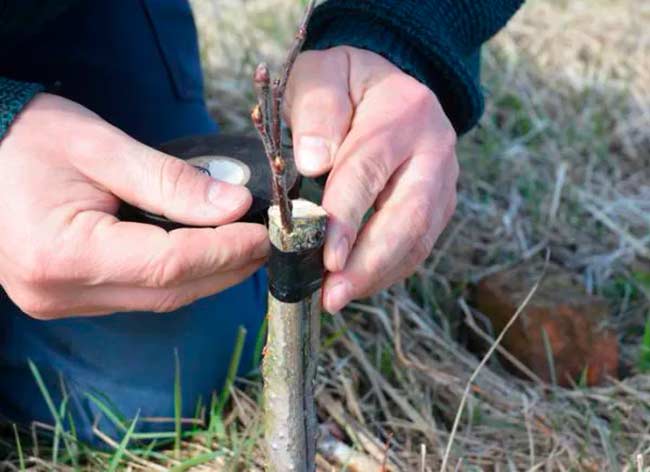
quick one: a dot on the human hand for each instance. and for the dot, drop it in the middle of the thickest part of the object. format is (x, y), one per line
(64, 253)
(387, 143)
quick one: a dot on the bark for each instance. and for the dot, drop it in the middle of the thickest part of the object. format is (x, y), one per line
(291, 354)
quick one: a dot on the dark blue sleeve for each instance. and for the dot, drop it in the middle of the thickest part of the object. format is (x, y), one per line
(20, 19)
(14, 96)
(436, 41)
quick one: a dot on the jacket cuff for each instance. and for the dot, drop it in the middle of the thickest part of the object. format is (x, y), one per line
(454, 79)
(14, 96)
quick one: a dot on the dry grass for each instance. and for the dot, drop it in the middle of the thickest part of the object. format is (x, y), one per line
(560, 162)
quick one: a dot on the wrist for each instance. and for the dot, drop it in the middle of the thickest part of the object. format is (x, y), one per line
(14, 96)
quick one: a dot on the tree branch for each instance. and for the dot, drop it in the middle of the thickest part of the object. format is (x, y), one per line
(267, 117)
(298, 42)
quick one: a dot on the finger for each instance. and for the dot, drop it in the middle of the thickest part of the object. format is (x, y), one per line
(400, 234)
(96, 301)
(318, 108)
(376, 146)
(161, 184)
(168, 300)
(141, 255)
(363, 168)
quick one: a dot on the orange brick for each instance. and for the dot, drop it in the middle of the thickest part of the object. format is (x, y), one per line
(573, 321)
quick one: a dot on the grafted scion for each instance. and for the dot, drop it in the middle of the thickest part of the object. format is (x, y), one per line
(267, 117)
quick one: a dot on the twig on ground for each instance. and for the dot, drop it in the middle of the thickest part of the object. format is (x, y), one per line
(484, 361)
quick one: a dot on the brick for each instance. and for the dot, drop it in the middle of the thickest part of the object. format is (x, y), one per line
(574, 322)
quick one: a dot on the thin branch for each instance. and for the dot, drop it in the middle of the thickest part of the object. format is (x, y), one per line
(263, 119)
(276, 119)
(280, 84)
(279, 167)
(267, 117)
(261, 115)
(296, 47)
(258, 121)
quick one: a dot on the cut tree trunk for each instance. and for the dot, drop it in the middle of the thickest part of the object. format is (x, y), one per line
(291, 354)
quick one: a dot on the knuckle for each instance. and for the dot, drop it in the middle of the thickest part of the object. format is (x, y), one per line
(329, 100)
(35, 272)
(239, 251)
(421, 234)
(309, 58)
(421, 217)
(427, 104)
(375, 264)
(448, 140)
(173, 172)
(334, 59)
(424, 93)
(370, 266)
(371, 175)
(168, 272)
(422, 96)
(44, 265)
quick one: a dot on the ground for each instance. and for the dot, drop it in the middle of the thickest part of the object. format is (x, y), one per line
(559, 166)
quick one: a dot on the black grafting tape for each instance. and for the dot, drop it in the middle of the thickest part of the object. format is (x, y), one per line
(240, 158)
(294, 276)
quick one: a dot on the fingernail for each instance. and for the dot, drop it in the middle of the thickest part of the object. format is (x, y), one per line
(313, 156)
(226, 197)
(341, 251)
(338, 296)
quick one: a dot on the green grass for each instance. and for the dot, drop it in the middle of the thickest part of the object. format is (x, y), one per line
(166, 447)
(119, 454)
(58, 415)
(19, 449)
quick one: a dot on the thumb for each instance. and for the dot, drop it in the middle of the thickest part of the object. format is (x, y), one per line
(166, 186)
(319, 110)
